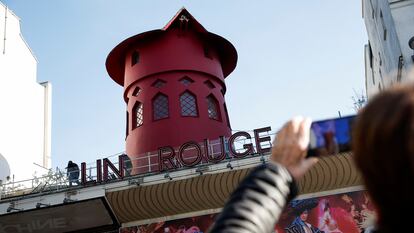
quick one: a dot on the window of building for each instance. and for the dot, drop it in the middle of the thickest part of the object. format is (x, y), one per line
(136, 91)
(209, 84)
(188, 104)
(380, 59)
(160, 107)
(138, 112)
(207, 53)
(159, 83)
(384, 29)
(371, 55)
(372, 9)
(186, 81)
(134, 58)
(400, 66)
(213, 108)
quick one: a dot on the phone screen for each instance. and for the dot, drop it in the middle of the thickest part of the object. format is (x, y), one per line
(331, 136)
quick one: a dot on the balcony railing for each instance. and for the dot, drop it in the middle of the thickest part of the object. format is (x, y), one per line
(145, 165)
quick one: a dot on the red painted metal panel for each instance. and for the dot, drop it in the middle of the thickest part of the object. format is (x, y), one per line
(182, 48)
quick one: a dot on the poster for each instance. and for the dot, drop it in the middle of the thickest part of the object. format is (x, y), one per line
(340, 213)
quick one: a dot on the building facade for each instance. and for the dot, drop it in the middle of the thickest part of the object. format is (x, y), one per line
(390, 49)
(174, 86)
(185, 159)
(25, 118)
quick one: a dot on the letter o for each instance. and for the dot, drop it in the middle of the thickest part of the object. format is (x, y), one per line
(188, 145)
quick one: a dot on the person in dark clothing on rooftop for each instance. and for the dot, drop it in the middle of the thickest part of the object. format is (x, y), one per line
(73, 173)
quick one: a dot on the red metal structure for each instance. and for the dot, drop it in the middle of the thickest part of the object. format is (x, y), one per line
(174, 84)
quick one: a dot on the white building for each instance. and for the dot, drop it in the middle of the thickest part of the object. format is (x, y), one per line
(388, 56)
(25, 104)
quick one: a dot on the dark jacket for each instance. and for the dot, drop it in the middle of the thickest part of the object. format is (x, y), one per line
(256, 205)
(73, 171)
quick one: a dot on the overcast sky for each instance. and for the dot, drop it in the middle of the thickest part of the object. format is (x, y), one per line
(295, 57)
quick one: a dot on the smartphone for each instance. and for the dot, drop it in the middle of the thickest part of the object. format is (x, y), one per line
(329, 137)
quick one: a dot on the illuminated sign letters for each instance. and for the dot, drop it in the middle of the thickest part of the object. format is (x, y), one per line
(189, 154)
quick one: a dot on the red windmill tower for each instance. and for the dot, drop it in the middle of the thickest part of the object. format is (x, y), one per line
(174, 85)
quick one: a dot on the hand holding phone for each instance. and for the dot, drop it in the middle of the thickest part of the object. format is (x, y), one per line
(291, 145)
(328, 137)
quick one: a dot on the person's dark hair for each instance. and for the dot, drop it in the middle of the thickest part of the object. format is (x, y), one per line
(383, 148)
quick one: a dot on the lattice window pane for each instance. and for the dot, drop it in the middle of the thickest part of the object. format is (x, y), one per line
(139, 120)
(186, 81)
(160, 107)
(213, 111)
(188, 104)
(159, 83)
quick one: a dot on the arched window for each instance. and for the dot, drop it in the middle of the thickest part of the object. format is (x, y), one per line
(160, 106)
(213, 108)
(186, 81)
(188, 104)
(138, 118)
(158, 83)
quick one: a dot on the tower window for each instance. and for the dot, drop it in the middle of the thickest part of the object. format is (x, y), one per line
(209, 84)
(160, 107)
(188, 104)
(134, 58)
(136, 91)
(186, 81)
(159, 83)
(139, 115)
(213, 108)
